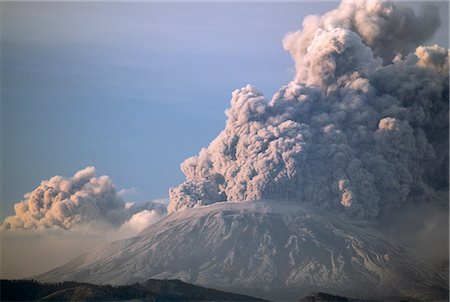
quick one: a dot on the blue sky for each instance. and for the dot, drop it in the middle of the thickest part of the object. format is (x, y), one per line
(131, 88)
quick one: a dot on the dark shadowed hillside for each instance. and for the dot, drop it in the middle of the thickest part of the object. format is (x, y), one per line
(323, 297)
(151, 290)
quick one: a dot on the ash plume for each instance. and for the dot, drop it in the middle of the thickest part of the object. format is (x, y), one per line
(362, 128)
(78, 201)
(386, 28)
(66, 216)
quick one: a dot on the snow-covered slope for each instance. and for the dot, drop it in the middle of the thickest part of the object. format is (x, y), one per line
(284, 249)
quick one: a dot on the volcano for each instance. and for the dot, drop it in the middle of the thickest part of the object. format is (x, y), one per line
(264, 248)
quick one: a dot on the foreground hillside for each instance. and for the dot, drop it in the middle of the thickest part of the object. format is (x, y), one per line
(265, 249)
(151, 290)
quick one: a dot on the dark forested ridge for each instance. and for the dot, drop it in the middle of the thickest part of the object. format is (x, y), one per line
(151, 290)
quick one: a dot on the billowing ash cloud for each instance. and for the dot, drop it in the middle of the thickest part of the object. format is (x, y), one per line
(79, 200)
(64, 217)
(388, 29)
(363, 127)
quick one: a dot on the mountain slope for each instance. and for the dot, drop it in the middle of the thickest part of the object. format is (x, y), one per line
(283, 249)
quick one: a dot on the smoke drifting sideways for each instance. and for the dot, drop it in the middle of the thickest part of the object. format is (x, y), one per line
(64, 217)
(80, 200)
(362, 129)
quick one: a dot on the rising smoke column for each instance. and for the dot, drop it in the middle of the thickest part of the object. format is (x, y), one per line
(362, 128)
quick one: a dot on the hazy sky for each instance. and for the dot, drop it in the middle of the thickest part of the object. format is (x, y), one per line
(131, 88)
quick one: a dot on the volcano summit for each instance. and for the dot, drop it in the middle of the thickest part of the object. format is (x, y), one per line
(266, 249)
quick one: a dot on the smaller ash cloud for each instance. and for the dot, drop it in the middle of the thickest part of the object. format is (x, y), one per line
(66, 216)
(80, 200)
